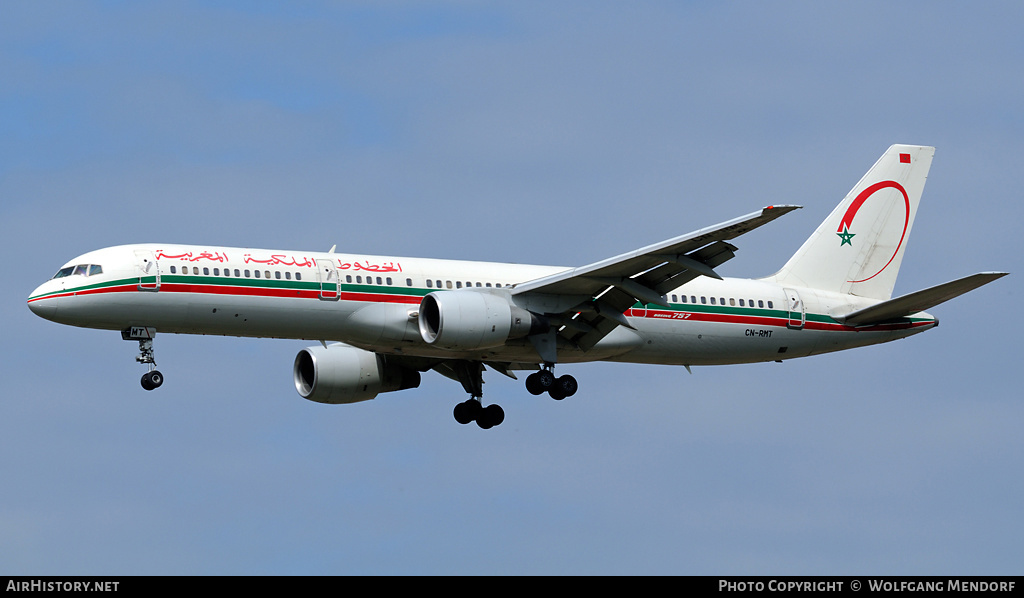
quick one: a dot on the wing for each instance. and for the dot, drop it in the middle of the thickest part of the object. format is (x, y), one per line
(587, 303)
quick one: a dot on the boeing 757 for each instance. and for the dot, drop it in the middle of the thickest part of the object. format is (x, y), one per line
(381, 321)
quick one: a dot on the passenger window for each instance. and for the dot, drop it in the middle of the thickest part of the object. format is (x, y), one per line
(721, 300)
(257, 273)
(266, 273)
(448, 284)
(379, 280)
(227, 272)
(760, 303)
(359, 279)
(703, 300)
(277, 275)
(458, 284)
(741, 303)
(712, 301)
(237, 274)
(430, 284)
(488, 285)
(438, 282)
(389, 281)
(478, 284)
(173, 271)
(246, 273)
(673, 298)
(770, 306)
(408, 282)
(216, 271)
(683, 297)
(298, 276)
(206, 271)
(732, 302)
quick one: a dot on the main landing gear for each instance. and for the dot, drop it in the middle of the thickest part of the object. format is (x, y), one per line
(545, 381)
(472, 409)
(153, 378)
(470, 374)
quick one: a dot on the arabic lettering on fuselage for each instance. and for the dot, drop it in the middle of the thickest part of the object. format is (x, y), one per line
(213, 256)
(278, 259)
(366, 265)
(281, 260)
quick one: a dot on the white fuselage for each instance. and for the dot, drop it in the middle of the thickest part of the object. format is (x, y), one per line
(372, 302)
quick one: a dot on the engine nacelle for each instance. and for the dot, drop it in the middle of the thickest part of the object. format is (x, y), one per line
(343, 374)
(469, 320)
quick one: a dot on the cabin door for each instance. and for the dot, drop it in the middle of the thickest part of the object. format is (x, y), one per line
(797, 313)
(148, 270)
(327, 274)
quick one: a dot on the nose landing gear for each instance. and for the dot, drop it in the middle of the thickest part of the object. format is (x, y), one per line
(152, 379)
(144, 334)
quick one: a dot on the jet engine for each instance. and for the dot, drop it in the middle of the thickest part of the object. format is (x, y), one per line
(470, 320)
(343, 374)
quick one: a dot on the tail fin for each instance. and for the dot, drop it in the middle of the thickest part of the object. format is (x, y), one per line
(859, 247)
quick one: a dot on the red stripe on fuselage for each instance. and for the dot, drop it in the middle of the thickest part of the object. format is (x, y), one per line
(677, 316)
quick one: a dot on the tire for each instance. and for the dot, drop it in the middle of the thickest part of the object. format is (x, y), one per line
(494, 414)
(463, 413)
(567, 385)
(533, 384)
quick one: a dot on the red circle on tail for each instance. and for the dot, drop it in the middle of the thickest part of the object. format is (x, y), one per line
(847, 220)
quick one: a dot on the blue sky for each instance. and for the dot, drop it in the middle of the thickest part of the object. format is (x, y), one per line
(550, 133)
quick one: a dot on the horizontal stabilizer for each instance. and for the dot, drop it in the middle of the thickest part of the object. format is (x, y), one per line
(921, 300)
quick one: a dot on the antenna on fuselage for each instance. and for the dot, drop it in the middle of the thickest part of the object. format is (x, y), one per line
(333, 247)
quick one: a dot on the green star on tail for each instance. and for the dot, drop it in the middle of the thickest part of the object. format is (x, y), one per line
(846, 236)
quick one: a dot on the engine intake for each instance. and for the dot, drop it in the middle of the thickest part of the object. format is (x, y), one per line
(343, 374)
(469, 320)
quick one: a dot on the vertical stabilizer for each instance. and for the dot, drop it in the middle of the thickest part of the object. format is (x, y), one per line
(859, 247)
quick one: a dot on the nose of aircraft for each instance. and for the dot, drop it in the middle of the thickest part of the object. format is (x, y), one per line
(41, 305)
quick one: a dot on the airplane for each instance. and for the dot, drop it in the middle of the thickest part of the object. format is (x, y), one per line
(390, 319)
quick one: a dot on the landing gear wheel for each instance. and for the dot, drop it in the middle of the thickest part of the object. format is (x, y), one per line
(566, 385)
(467, 411)
(539, 382)
(485, 417)
(152, 380)
(490, 416)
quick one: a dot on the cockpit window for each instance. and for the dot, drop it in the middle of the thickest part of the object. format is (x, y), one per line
(80, 269)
